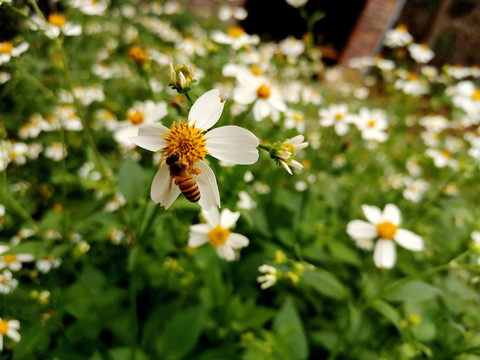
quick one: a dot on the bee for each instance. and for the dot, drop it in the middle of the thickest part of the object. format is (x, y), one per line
(182, 172)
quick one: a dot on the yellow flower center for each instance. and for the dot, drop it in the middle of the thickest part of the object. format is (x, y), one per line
(3, 327)
(386, 230)
(401, 27)
(138, 54)
(263, 92)
(10, 258)
(298, 117)
(186, 141)
(446, 153)
(218, 235)
(6, 47)
(338, 116)
(235, 31)
(412, 76)
(4, 281)
(476, 94)
(371, 123)
(57, 20)
(256, 70)
(135, 117)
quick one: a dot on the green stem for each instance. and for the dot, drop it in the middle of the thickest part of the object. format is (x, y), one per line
(17, 10)
(37, 10)
(264, 147)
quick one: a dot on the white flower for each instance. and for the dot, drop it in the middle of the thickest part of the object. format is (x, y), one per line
(236, 37)
(385, 226)
(415, 189)
(12, 261)
(421, 53)
(294, 119)
(56, 24)
(7, 282)
(285, 152)
(227, 143)
(216, 232)
(9, 328)
(372, 123)
(245, 202)
(226, 13)
(141, 113)
(4, 76)
(296, 3)
(442, 158)
(90, 7)
(7, 51)
(338, 116)
(398, 37)
(47, 263)
(55, 151)
(269, 278)
(291, 47)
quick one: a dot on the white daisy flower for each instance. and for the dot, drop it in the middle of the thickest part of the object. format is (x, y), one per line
(56, 24)
(415, 188)
(216, 232)
(338, 116)
(90, 7)
(269, 277)
(442, 158)
(285, 152)
(13, 261)
(291, 47)
(421, 53)
(55, 151)
(372, 124)
(7, 282)
(4, 76)
(7, 51)
(384, 225)
(146, 112)
(398, 37)
(227, 143)
(236, 37)
(47, 263)
(9, 328)
(226, 13)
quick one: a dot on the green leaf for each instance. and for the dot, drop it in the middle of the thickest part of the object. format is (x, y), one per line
(131, 180)
(288, 325)
(127, 353)
(387, 311)
(325, 283)
(181, 333)
(413, 290)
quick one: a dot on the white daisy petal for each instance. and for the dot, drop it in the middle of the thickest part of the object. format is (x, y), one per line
(197, 239)
(409, 240)
(164, 190)
(152, 130)
(151, 143)
(372, 213)
(228, 218)
(1, 342)
(261, 109)
(14, 324)
(15, 266)
(13, 334)
(359, 229)
(4, 248)
(70, 29)
(233, 144)
(392, 213)
(25, 257)
(206, 111)
(201, 228)
(237, 241)
(384, 254)
(226, 252)
(211, 216)
(244, 95)
(207, 183)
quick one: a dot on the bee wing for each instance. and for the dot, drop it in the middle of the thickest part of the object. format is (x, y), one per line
(164, 190)
(207, 183)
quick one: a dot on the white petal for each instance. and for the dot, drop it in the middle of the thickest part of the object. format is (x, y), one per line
(152, 143)
(233, 144)
(164, 190)
(20, 48)
(409, 240)
(207, 183)
(228, 218)
(384, 254)
(70, 29)
(1, 342)
(372, 213)
(206, 111)
(261, 109)
(14, 335)
(212, 216)
(226, 252)
(152, 130)
(237, 241)
(4, 248)
(392, 213)
(286, 167)
(359, 229)
(25, 257)
(200, 228)
(244, 95)
(197, 239)
(14, 324)
(15, 266)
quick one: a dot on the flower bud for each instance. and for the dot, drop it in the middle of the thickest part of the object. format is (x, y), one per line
(181, 77)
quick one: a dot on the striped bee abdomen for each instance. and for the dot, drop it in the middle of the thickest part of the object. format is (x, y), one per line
(189, 188)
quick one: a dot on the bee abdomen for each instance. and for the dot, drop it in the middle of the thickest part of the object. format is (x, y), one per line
(189, 188)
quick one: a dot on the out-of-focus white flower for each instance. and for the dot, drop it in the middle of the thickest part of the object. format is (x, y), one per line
(47, 263)
(291, 47)
(295, 119)
(442, 158)
(245, 202)
(384, 225)
(18, 153)
(7, 282)
(467, 97)
(415, 188)
(226, 13)
(10, 329)
(90, 7)
(55, 151)
(12, 261)
(269, 277)
(7, 51)
(4, 76)
(296, 3)
(398, 37)
(372, 124)
(115, 203)
(336, 115)
(412, 84)
(421, 53)
(217, 232)
(236, 37)
(56, 24)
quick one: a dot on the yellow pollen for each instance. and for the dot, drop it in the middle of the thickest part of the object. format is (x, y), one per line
(57, 20)
(135, 117)
(218, 235)
(412, 77)
(10, 258)
(371, 123)
(186, 141)
(446, 153)
(338, 116)
(256, 70)
(6, 47)
(263, 92)
(476, 94)
(298, 117)
(424, 47)
(3, 327)
(386, 230)
(235, 31)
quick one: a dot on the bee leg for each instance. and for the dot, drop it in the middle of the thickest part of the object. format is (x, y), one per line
(196, 171)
